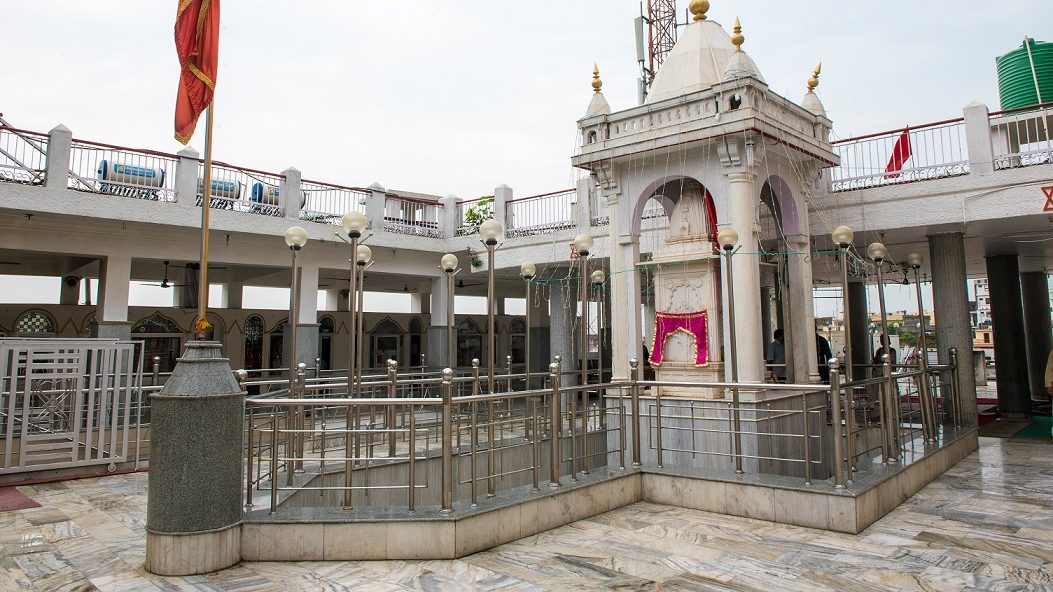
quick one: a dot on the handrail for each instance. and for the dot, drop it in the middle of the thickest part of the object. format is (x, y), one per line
(149, 151)
(549, 194)
(1019, 109)
(909, 128)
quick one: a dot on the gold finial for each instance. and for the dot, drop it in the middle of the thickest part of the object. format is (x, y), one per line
(597, 84)
(699, 9)
(737, 39)
(813, 82)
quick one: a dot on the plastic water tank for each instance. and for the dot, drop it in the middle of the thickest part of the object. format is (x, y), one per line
(1016, 83)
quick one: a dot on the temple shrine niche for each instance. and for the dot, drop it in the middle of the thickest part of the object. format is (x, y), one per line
(687, 322)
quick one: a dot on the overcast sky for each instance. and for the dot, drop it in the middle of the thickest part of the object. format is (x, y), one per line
(459, 97)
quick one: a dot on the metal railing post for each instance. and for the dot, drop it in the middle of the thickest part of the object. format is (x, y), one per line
(301, 421)
(658, 426)
(850, 426)
(891, 425)
(835, 419)
(274, 460)
(473, 428)
(475, 376)
(535, 445)
(389, 411)
(411, 493)
(157, 370)
(634, 393)
(447, 440)
(555, 420)
(807, 436)
(248, 459)
(956, 399)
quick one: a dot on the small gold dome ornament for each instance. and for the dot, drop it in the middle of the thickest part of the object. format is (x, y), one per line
(813, 82)
(699, 8)
(597, 84)
(738, 39)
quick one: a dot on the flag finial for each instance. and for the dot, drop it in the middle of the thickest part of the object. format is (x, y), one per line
(597, 84)
(738, 39)
(813, 82)
(699, 8)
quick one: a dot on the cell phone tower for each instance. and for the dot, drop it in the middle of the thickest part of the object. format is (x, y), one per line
(660, 23)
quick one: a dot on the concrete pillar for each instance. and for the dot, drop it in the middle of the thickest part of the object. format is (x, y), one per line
(582, 210)
(420, 303)
(563, 303)
(801, 323)
(307, 325)
(859, 329)
(436, 353)
(1034, 287)
(1007, 323)
(186, 177)
(69, 290)
(193, 510)
(750, 347)
(290, 196)
(375, 207)
(626, 331)
(502, 195)
(233, 295)
(448, 220)
(951, 305)
(60, 144)
(112, 312)
(978, 138)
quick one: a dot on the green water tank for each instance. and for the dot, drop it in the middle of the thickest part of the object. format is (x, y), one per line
(1016, 83)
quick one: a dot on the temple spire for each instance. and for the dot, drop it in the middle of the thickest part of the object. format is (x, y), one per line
(597, 84)
(738, 39)
(699, 8)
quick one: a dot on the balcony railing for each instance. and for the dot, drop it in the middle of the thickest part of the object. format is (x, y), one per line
(465, 227)
(243, 190)
(126, 172)
(408, 215)
(1022, 137)
(917, 153)
(540, 214)
(327, 203)
(23, 156)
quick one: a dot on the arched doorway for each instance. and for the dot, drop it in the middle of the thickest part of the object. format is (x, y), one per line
(161, 337)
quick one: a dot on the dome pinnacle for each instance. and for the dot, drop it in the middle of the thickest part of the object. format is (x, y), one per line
(813, 82)
(738, 39)
(699, 9)
(597, 84)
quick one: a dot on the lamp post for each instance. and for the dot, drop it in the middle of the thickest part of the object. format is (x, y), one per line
(582, 246)
(914, 260)
(448, 264)
(878, 253)
(728, 238)
(364, 260)
(597, 278)
(353, 223)
(295, 238)
(842, 237)
(527, 271)
(489, 231)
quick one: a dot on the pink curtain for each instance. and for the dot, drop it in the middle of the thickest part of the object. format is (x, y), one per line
(692, 323)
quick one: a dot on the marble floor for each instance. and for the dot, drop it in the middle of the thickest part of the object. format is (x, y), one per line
(987, 524)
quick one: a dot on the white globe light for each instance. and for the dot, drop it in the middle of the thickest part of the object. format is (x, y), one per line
(354, 222)
(915, 260)
(597, 277)
(490, 230)
(527, 270)
(365, 254)
(728, 238)
(842, 235)
(877, 252)
(448, 262)
(296, 237)
(583, 244)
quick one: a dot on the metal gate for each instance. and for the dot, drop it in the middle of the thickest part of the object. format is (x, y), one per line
(68, 403)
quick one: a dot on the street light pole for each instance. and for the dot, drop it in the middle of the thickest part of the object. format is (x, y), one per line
(878, 253)
(364, 260)
(527, 271)
(353, 223)
(448, 264)
(490, 230)
(728, 238)
(927, 405)
(842, 236)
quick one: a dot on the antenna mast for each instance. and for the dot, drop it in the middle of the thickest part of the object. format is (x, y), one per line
(661, 37)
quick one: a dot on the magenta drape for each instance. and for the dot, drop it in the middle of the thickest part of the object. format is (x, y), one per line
(692, 323)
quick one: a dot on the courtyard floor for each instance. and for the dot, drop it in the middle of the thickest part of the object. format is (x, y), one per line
(987, 524)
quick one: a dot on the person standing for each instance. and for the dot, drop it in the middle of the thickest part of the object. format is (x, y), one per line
(822, 347)
(776, 357)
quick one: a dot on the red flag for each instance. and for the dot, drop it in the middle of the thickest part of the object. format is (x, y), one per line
(900, 155)
(197, 43)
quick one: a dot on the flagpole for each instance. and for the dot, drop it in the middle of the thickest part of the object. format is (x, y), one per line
(201, 325)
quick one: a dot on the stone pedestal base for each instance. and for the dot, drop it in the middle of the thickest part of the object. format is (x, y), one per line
(680, 372)
(192, 553)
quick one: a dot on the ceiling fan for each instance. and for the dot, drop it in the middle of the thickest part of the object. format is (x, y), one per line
(461, 284)
(164, 282)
